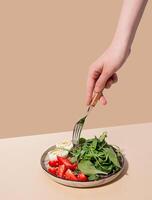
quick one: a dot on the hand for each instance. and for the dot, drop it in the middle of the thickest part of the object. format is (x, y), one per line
(102, 73)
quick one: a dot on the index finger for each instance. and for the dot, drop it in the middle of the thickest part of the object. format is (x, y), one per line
(90, 88)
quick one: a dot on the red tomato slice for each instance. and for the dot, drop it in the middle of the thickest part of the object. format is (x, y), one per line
(61, 170)
(74, 166)
(53, 163)
(53, 170)
(69, 175)
(67, 163)
(82, 177)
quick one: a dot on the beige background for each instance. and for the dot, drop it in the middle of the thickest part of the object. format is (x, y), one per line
(46, 48)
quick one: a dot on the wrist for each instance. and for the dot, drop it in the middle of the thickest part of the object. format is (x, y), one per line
(121, 45)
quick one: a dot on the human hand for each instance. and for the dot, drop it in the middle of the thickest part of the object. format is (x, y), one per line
(102, 73)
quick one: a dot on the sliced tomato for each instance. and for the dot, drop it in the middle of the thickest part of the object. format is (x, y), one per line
(53, 163)
(74, 166)
(67, 163)
(61, 170)
(69, 175)
(63, 161)
(53, 170)
(82, 177)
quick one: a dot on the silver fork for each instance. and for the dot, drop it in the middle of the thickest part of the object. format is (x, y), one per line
(79, 125)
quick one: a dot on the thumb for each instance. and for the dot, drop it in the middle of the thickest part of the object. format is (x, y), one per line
(101, 82)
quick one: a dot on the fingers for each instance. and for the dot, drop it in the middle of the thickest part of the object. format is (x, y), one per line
(109, 83)
(98, 79)
(103, 100)
(101, 82)
(113, 79)
(90, 88)
(92, 78)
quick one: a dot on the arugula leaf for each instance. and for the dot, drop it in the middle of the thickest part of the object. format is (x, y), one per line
(96, 157)
(93, 177)
(103, 136)
(88, 168)
(94, 143)
(107, 168)
(82, 140)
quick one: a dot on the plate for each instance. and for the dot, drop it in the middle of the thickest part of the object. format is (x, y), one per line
(78, 184)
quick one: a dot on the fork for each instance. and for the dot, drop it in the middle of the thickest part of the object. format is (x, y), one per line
(79, 125)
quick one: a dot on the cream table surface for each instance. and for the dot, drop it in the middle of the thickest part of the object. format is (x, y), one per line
(21, 176)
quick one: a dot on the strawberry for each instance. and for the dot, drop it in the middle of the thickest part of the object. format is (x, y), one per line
(61, 170)
(52, 170)
(67, 163)
(69, 175)
(53, 163)
(82, 177)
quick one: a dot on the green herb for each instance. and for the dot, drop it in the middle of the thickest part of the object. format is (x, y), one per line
(112, 156)
(93, 177)
(96, 158)
(103, 136)
(88, 168)
(82, 140)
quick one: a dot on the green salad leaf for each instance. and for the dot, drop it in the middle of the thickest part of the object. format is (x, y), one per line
(103, 136)
(93, 177)
(112, 156)
(96, 158)
(88, 168)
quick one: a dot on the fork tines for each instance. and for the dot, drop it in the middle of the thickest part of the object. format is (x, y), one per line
(77, 130)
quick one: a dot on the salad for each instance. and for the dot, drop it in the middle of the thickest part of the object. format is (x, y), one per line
(92, 159)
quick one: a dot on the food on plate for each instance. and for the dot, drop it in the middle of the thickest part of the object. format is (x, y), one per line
(52, 170)
(69, 175)
(61, 171)
(66, 144)
(52, 155)
(92, 159)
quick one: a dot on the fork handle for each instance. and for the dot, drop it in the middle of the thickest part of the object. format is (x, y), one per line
(96, 98)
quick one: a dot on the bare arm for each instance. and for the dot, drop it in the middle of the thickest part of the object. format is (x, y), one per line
(130, 16)
(102, 73)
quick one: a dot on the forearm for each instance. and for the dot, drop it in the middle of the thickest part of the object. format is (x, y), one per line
(130, 16)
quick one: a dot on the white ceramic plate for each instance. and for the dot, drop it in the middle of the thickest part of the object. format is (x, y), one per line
(44, 163)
